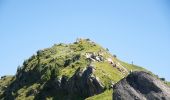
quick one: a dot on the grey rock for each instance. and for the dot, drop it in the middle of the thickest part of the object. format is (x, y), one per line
(85, 84)
(141, 86)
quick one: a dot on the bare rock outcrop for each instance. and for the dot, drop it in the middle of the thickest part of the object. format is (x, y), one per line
(82, 84)
(141, 86)
(85, 83)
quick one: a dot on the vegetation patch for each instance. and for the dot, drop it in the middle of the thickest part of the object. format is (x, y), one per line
(107, 95)
(46, 73)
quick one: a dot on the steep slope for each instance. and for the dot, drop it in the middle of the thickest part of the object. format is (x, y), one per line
(168, 83)
(4, 83)
(141, 86)
(67, 71)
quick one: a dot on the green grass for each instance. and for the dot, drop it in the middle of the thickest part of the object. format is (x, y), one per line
(106, 73)
(168, 83)
(107, 95)
(70, 70)
(131, 67)
(4, 82)
(58, 54)
(23, 92)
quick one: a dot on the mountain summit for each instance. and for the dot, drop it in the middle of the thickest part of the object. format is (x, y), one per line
(77, 71)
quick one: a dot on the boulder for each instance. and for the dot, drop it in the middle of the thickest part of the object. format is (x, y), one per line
(141, 86)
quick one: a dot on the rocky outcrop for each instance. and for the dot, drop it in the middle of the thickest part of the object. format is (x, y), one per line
(82, 84)
(85, 83)
(141, 86)
(95, 56)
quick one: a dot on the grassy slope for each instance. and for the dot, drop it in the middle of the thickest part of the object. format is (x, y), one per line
(4, 82)
(107, 95)
(168, 83)
(131, 67)
(58, 54)
(22, 93)
(107, 74)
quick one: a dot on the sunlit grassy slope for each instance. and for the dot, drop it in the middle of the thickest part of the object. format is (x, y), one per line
(4, 82)
(64, 59)
(107, 95)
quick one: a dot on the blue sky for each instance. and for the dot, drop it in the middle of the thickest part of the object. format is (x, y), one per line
(134, 30)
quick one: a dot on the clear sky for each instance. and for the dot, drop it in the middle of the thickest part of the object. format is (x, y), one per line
(134, 30)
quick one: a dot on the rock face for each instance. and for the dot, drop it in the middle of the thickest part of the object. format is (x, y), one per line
(82, 84)
(85, 83)
(141, 86)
